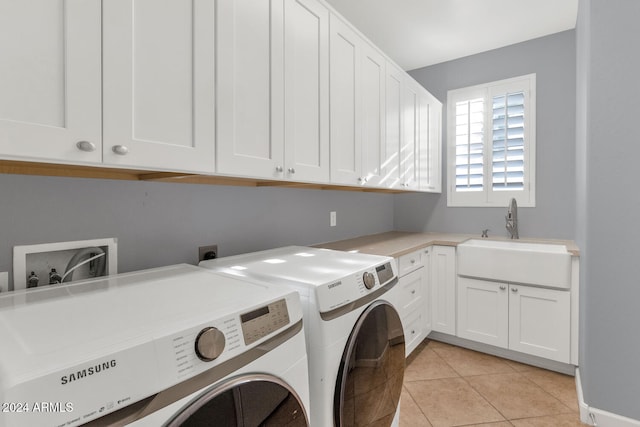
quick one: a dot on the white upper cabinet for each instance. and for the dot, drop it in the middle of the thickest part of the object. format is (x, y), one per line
(357, 94)
(345, 61)
(249, 87)
(429, 143)
(373, 116)
(306, 91)
(158, 76)
(276, 90)
(50, 93)
(410, 132)
(390, 175)
(273, 89)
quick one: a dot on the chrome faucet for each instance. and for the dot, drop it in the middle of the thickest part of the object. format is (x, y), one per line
(512, 219)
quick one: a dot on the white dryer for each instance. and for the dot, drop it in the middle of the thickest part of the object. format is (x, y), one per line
(355, 340)
(174, 346)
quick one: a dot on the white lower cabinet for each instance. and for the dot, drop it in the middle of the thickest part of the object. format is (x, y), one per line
(483, 311)
(522, 318)
(539, 322)
(413, 301)
(443, 289)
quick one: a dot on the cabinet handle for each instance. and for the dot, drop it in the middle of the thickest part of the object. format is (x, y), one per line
(502, 288)
(413, 261)
(413, 332)
(86, 146)
(121, 150)
(413, 292)
(279, 169)
(514, 290)
(291, 171)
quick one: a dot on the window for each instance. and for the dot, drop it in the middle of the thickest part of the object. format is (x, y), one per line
(491, 143)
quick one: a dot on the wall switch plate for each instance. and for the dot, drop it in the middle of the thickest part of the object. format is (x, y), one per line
(4, 281)
(42, 258)
(332, 218)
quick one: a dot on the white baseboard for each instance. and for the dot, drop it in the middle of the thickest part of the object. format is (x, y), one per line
(597, 417)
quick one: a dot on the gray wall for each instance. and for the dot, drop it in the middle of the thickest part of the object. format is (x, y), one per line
(552, 58)
(164, 223)
(609, 202)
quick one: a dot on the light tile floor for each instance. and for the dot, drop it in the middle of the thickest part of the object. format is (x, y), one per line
(448, 386)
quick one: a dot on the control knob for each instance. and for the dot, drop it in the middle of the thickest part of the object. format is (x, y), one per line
(369, 279)
(209, 344)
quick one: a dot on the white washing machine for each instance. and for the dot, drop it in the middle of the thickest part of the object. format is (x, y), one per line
(355, 341)
(174, 346)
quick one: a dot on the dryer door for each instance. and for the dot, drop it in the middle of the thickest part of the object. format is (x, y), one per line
(246, 401)
(371, 371)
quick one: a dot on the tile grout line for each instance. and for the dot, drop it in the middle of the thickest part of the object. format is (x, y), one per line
(513, 370)
(417, 406)
(464, 378)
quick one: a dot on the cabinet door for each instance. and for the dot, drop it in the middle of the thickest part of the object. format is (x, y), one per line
(393, 134)
(413, 331)
(50, 80)
(373, 116)
(539, 322)
(410, 130)
(306, 90)
(411, 292)
(345, 103)
(159, 84)
(429, 142)
(483, 311)
(411, 303)
(426, 260)
(249, 88)
(443, 289)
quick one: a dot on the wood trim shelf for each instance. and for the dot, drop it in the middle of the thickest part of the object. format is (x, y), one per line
(15, 167)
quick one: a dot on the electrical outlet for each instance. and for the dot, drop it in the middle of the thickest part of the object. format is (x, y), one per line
(207, 252)
(4, 281)
(332, 219)
(78, 259)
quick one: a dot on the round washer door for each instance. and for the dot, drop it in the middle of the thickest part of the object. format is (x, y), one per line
(247, 401)
(371, 371)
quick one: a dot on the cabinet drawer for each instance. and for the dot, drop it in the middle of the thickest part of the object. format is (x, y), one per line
(409, 262)
(413, 331)
(412, 291)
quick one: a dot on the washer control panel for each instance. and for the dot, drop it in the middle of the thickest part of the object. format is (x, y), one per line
(369, 279)
(209, 344)
(264, 320)
(384, 272)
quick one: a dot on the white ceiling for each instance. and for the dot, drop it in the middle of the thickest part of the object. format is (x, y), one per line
(417, 33)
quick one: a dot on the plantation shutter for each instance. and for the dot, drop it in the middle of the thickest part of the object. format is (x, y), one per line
(470, 145)
(508, 142)
(491, 143)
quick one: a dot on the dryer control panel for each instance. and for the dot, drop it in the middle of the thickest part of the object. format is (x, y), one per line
(264, 320)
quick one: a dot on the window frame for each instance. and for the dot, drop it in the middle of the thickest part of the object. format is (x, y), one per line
(489, 197)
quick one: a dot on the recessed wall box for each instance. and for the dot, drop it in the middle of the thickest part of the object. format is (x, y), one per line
(71, 261)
